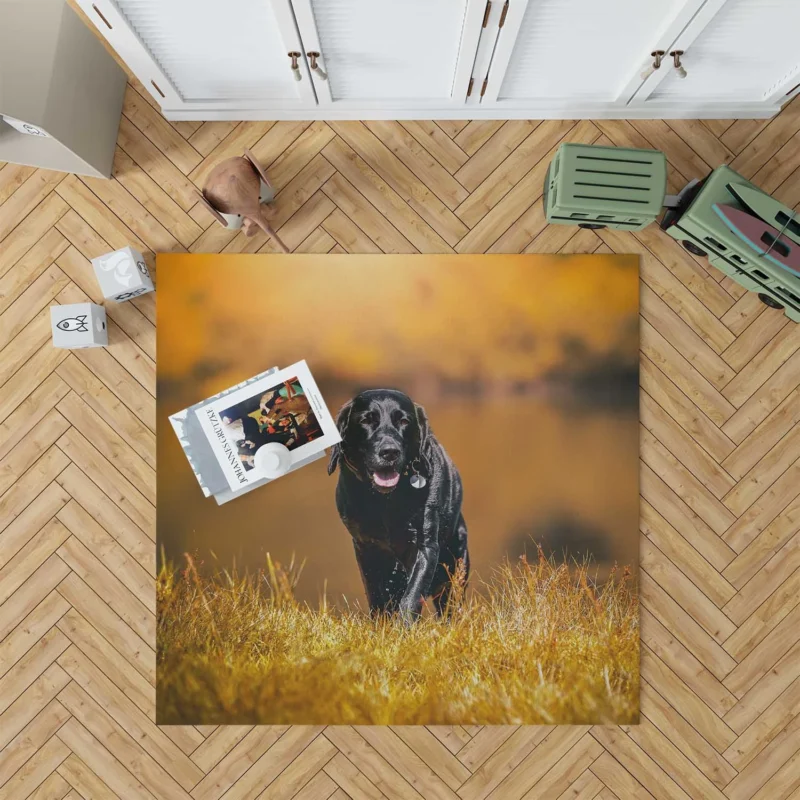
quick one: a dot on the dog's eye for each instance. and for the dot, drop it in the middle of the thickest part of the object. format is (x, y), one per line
(370, 418)
(402, 423)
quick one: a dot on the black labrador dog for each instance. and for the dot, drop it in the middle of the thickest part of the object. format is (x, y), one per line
(399, 495)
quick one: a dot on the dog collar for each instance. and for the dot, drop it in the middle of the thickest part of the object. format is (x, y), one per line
(349, 465)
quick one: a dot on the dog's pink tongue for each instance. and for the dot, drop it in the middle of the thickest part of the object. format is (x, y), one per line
(390, 479)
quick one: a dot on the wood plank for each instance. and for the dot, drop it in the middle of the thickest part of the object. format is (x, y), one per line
(12, 176)
(700, 354)
(145, 733)
(761, 696)
(437, 143)
(395, 191)
(84, 782)
(26, 198)
(119, 742)
(108, 478)
(109, 516)
(110, 444)
(371, 222)
(159, 131)
(97, 649)
(152, 197)
(153, 161)
(26, 235)
(679, 734)
(474, 134)
(499, 182)
(39, 294)
(100, 765)
(237, 762)
(685, 412)
(286, 161)
(18, 279)
(209, 135)
(31, 484)
(760, 404)
(426, 168)
(27, 526)
(344, 231)
(767, 617)
(680, 552)
(93, 608)
(683, 446)
(35, 735)
(684, 519)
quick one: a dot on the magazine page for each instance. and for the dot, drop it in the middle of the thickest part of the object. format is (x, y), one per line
(285, 407)
(197, 448)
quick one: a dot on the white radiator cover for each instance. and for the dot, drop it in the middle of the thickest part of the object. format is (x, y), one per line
(582, 48)
(456, 59)
(214, 49)
(751, 47)
(388, 49)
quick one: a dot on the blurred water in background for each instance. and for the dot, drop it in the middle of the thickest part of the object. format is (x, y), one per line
(565, 478)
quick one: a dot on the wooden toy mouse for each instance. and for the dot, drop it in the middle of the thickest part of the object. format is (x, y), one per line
(235, 192)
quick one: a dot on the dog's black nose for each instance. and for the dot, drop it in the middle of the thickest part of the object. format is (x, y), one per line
(389, 453)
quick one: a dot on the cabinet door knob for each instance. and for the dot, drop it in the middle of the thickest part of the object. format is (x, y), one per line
(657, 56)
(294, 55)
(315, 68)
(676, 60)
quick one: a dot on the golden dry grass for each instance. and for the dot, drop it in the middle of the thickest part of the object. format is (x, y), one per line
(537, 644)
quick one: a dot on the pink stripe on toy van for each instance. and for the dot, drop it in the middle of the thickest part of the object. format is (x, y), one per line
(764, 239)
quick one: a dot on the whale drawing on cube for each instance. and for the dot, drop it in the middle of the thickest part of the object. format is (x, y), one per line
(122, 274)
(120, 264)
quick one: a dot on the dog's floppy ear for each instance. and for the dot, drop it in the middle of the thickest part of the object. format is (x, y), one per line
(342, 421)
(424, 436)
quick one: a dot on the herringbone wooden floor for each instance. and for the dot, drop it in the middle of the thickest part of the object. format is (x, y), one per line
(720, 471)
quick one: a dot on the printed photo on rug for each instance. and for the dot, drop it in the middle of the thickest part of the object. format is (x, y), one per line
(467, 552)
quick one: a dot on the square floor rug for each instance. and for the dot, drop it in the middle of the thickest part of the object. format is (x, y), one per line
(457, 539)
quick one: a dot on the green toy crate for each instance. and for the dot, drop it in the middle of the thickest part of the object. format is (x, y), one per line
(702, 232)
(605, 187)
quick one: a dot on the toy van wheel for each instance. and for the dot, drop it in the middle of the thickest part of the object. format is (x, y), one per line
(592, 226)
(769, 301)
(693, 248)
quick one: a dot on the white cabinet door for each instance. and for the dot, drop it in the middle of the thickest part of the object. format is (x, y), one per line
(207, 54)
(563, 54)
(735, 51)
(390, 54)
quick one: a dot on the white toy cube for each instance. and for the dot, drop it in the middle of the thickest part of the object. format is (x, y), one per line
(122, 274)
(79, 325)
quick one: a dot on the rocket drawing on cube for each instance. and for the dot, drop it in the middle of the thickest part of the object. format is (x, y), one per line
(122, 275)
(79, 325)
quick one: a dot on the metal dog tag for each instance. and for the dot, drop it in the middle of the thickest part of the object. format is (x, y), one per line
(418, 482)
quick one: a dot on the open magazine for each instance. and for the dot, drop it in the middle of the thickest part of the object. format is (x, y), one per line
(222, 434)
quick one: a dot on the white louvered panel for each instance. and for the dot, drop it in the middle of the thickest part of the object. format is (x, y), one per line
(744, 52)
(583, 49)
(389, 49)
(214, 50)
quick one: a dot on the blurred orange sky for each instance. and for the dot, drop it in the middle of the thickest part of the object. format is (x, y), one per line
(503, 315)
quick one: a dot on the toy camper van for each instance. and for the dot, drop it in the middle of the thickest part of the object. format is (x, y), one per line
(744, 232)
(704, 223)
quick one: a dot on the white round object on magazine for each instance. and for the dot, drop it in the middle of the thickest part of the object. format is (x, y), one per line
(273, 460)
